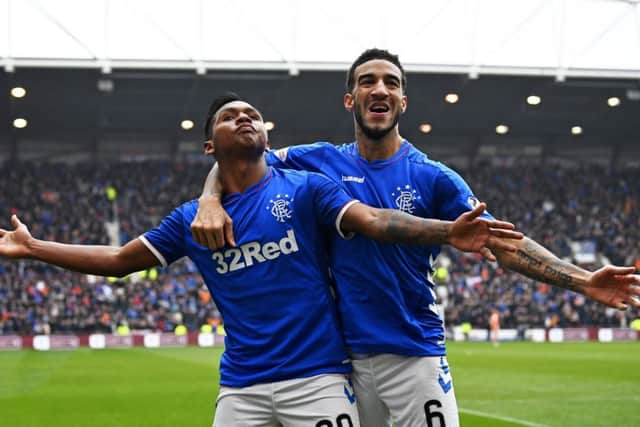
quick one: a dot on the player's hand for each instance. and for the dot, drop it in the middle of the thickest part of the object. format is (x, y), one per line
(212, 227)
(469, 233)
(15, 244)
(616, 287)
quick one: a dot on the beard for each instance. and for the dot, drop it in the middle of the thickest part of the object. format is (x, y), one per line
(371, 132)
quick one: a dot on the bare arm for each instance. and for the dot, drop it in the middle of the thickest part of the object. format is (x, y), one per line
(212, 186)
(99, 260)
(468, 232)
(613, 286)
(535, 261)
(212, 227)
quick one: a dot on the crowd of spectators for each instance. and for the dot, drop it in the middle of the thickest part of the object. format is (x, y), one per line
(557, 206)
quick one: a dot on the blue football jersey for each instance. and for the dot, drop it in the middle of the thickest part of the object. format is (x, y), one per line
(386, 297)
(273, 288)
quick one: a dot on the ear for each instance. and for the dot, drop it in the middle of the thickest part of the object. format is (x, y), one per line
(209, 148)
(404, 103)
(267, 146)
(348, 102)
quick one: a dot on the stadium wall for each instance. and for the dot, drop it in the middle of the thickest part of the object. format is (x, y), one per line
(157, 340)
(554, 335)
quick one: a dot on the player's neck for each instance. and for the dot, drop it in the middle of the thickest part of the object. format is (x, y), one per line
(378, 149)
(238, 175)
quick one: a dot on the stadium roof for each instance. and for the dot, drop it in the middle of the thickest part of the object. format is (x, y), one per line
(291, 61)
(561, 38)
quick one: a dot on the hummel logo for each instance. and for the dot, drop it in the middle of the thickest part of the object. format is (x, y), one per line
(446, 385)
(359, 180)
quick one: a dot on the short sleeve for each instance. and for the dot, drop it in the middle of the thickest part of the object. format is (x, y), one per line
(167, 241)
(453, 195)
(330, 201)
(309, 157)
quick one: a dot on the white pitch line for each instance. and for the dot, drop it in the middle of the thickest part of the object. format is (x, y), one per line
(501, 418)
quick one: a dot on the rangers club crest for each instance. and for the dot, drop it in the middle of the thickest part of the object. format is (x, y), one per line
(405, 198)
(281, 207)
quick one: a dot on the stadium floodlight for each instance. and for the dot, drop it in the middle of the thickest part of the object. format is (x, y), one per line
(20, 123)
(633, 94)
(269, 125)
(18, 92)
(452, 98)
(614, 101)
(533, 100)
(502, 129)
(186, 124)
(576, 130)
(105, 85)
(425, 128)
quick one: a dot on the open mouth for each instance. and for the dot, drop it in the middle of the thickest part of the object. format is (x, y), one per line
(378, 108)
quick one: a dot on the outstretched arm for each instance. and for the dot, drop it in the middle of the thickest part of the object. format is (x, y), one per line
(98, 260)
(467, 233)
(212, 227)
(616, 287)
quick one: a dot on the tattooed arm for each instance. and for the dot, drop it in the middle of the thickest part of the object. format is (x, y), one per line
(612, 286)
(467, 233)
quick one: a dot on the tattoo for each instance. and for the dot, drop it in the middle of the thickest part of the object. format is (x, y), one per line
(545, 268)
(404, 228)
(531, 261)
(563, 278)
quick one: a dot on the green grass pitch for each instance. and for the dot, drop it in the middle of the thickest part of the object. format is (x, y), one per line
(517, 384)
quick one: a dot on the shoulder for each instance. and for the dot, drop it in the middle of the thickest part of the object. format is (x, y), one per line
(318, 146)
(430, 170)
(298, 176)
(420, 161)
(186, 210)
(327, 148)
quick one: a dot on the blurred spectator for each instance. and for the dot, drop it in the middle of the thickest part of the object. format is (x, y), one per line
(557, 206)
(586, 208)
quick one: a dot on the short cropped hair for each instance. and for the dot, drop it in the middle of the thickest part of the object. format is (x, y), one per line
(369, 55)
(216, 105)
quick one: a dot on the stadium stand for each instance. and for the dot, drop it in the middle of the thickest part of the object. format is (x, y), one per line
(587, 213)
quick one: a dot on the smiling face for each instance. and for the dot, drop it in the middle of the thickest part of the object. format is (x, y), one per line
(237, 129)
(377, 98)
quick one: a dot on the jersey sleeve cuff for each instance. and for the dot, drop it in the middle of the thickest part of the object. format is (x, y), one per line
(154, 251)
(344, 209)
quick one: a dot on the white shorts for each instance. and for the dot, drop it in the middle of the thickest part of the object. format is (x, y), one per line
(324, 400)
(411, 391)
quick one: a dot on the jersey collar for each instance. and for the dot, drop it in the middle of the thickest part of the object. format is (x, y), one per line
(405, 146)
(233, 197)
